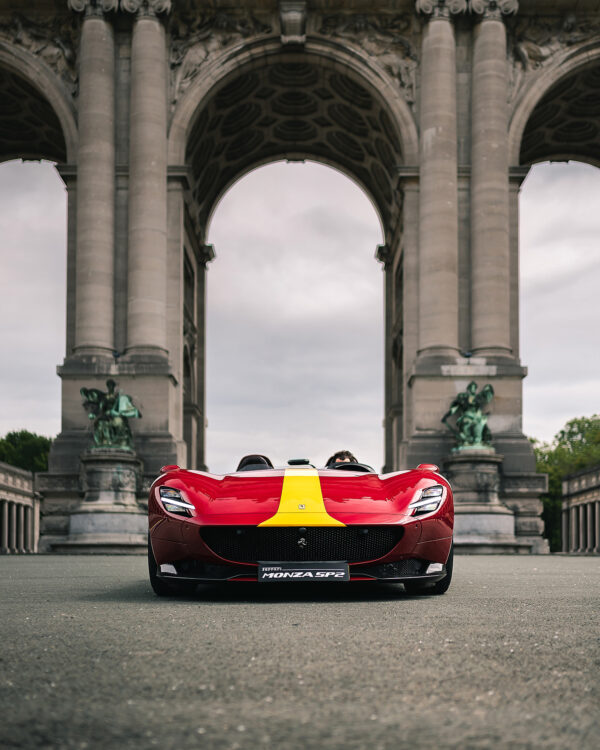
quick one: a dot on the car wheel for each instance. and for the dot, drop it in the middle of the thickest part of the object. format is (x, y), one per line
(437, 588)
(162, 587)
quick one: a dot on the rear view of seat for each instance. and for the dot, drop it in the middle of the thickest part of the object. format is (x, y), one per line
(254, 462)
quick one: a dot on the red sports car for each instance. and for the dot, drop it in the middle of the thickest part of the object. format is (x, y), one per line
(297, 523)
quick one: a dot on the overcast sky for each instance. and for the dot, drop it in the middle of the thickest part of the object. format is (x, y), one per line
(295, 309)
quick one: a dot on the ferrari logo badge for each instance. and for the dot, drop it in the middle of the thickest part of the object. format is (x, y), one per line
(301, 506)
(302, 542)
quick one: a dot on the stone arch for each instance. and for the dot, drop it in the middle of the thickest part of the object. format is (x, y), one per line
(52, 106)
(337, 58)
(290, 106)
(552, 84)
(265, 104)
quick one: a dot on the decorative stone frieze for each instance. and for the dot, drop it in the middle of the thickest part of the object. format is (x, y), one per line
(392, 41)
(441, 8)
(494, 9)
(292, 15)
(53, 41)
(534, 44)
(195, 41)
(146, 7)
(93, 7)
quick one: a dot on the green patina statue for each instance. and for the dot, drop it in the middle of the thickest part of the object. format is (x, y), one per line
(471, 430)
(111, 412)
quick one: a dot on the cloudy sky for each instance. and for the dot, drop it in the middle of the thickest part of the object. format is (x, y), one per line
(295, 309)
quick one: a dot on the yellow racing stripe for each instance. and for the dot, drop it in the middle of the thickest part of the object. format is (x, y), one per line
(301, 502)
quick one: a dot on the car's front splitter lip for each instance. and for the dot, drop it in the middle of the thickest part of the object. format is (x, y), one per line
(214, 573)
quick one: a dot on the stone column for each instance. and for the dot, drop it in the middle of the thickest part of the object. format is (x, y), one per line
(438, 200)
(95, 181)
(597, 526)
(20, 528)
(12, 527)
(384, 255)
(204, 255)
(4, 526)
(565, 530)
(573, 525)
(147, 265)
(589, 508)
(490, 259)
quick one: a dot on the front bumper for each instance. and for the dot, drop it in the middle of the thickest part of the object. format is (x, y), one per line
(411, 569)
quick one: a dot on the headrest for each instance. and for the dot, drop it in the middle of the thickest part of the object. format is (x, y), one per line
(254, 462)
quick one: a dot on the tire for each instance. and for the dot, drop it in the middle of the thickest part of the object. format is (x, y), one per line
(424, 589)
(162, 587)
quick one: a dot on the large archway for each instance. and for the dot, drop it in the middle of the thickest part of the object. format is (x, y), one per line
(557, 120)
(293, 107)
(36, 124)
(294, 319)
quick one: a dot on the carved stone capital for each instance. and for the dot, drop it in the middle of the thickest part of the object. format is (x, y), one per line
(93, 7)
(204, 254)
(292, 14)
(384, 255)
(146, 7)
(441, 8)
(494, 9)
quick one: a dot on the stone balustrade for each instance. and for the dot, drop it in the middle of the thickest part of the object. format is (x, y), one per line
(19, 511)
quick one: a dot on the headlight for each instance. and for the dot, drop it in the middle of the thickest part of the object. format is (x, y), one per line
(173, 502)
(428, 500)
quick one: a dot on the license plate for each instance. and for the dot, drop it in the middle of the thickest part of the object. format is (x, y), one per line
(278, 572)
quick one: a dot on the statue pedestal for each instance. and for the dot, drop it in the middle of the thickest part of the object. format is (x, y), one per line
(483, 525)
(109, 518)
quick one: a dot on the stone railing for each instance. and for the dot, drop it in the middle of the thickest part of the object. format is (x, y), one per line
(19, 511)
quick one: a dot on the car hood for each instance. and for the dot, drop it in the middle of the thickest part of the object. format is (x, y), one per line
(300, 496)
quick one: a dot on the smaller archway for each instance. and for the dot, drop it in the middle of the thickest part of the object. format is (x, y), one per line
(36, 125)
(33, 208)
(560, 276)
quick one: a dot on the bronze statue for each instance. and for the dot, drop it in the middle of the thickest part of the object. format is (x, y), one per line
(471, 430)
(111, 412)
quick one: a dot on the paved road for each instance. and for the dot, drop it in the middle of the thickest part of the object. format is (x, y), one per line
(509, 657)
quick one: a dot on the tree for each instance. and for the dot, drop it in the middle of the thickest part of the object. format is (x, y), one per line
(574, 448)
(26, 450)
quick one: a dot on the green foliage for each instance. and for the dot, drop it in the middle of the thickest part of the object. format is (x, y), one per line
(26, 450)
(574, 448)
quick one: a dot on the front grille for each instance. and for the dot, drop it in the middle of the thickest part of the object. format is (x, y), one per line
(279, 544)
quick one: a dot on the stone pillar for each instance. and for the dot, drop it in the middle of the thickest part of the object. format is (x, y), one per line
(438, 200)
(573, 528)
(490, 259)
(597, 526)
(147, 265)
(385, 256)
(204, 255)
(95, 181)
(565, 530)
(4, 526)
(12, 526)
(590, 526)
(20, 528)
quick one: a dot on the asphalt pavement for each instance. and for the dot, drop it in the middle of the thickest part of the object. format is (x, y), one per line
(508, 658)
